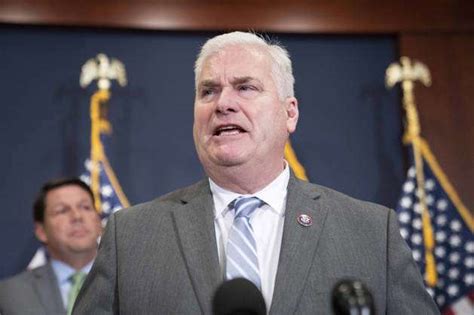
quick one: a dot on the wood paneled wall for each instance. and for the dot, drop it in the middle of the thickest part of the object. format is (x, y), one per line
(438, 32)
(301, 16)
(447, 107)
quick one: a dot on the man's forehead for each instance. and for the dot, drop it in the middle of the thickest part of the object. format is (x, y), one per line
(235, 64)
(67, 192)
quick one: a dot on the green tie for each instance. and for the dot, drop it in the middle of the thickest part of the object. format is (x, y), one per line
(76, 282)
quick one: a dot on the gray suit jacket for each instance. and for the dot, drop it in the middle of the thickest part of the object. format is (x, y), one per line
(161, 257)
(31, 292)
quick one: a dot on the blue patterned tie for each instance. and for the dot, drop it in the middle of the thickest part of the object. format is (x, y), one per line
(242, 261)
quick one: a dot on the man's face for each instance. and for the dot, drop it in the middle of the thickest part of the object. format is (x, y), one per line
(71, 225)
(238, 116)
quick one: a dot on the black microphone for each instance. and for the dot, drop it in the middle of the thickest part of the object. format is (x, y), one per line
(238, 296)
(351, 297)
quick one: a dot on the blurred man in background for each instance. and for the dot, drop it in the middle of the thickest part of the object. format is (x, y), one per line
(69, 226)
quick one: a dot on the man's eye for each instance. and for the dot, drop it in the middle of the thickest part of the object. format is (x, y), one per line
(207, 92)
(247, 88)
(59, 211)
(87, 207)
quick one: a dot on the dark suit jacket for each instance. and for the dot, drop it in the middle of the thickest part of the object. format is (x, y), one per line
(31, 292)
(161, 257)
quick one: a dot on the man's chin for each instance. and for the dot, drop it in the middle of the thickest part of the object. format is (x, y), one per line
(81, 248)
(229, 161)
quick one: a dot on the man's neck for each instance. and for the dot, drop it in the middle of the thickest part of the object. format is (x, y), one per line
(245, 180)
(77, 261)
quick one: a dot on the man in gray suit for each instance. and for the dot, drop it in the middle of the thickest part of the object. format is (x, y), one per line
(67, 223)
(168, 256)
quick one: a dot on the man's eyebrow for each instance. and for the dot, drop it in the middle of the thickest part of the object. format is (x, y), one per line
(240, 80)
(84, 200)
(208, 84)
(235, 81)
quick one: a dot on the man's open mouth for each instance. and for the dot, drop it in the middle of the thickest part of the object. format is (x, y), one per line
(228, 130)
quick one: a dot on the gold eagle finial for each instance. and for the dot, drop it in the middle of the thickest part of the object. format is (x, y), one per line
(407, 71)
(103, 70)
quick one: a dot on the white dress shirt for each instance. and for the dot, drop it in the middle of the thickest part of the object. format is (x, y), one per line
(63, 274)
(267, 224)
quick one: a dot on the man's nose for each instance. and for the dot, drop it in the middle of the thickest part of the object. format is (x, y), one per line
(227, 101)
(76, 213)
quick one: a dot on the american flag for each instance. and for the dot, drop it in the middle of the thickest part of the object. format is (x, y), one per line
(109, 189)
(452, 232)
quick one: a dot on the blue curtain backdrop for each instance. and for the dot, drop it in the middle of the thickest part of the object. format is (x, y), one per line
(348, 136)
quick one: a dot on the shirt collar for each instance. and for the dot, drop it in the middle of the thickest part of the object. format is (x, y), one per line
(274, 194)
(64, 272)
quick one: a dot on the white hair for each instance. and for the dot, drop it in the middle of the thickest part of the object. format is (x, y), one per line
(282, 71)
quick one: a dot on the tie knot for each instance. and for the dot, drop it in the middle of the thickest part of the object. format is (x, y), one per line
(245, 206)
(77, 277)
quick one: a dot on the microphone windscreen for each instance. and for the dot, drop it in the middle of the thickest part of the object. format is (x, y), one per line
(351, 297)
(238, 296)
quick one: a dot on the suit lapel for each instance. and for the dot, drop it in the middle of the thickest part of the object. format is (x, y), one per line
(298, 245)
(196, 233)
(46, 287)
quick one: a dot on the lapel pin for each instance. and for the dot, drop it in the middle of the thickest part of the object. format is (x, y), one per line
(305, 220)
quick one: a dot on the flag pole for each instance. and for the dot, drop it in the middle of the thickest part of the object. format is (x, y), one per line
(293, 162)
(99, 125)
(407, 73)
(103, 70)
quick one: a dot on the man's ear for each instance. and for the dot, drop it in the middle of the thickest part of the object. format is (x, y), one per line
(40, 233)
(292, 112)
